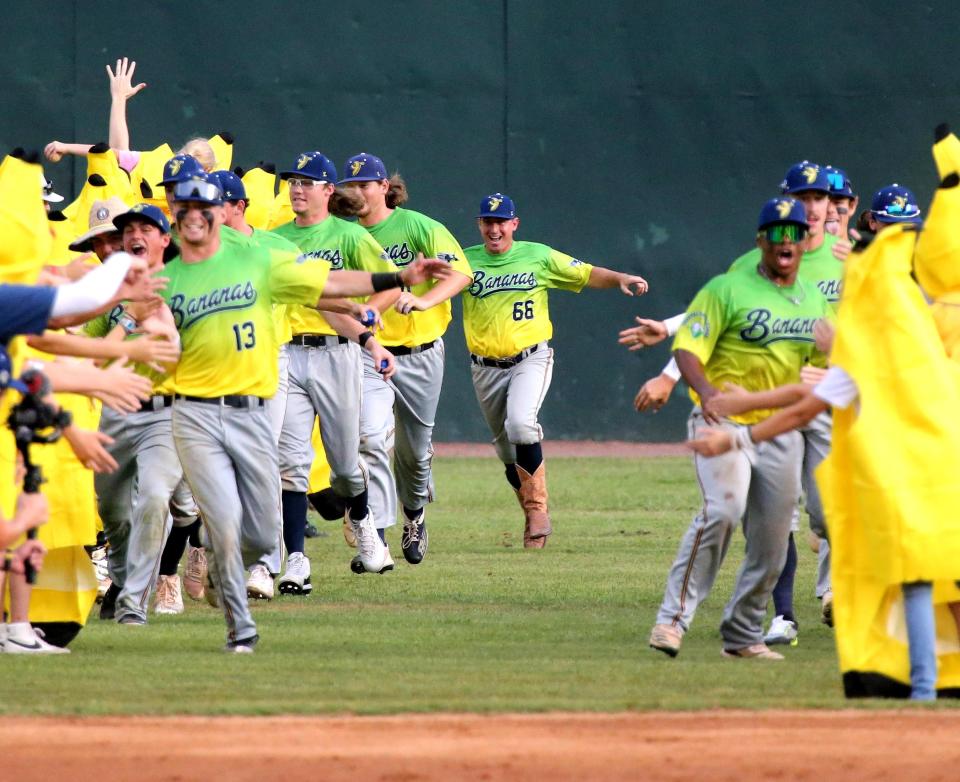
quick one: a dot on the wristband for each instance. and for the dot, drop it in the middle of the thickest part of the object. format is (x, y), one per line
(383, 281)
(128, 324)
(364, 338)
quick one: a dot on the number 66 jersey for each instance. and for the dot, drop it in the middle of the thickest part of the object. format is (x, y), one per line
(223, 310)
(505, 309)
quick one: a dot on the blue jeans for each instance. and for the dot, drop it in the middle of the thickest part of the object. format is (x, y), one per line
(921, 632)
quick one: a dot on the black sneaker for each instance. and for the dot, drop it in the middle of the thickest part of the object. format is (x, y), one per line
(242, 646)
(108, 608)
(414, 539)
(310, 531)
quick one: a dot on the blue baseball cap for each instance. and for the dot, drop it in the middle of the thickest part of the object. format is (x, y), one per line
(231, 186)
(364, 168)
(147, 212)
(204, 188)
(840, 184)
(498, 205)
(895, 204)
(7, 378)
(804, 177)
(782, 210)
(179, 168)
(312, 165)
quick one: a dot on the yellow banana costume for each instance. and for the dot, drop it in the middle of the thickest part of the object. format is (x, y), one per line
(889, 485)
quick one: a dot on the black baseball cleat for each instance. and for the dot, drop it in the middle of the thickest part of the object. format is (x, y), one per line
(108, 606)
(242, 646)
(414, 539)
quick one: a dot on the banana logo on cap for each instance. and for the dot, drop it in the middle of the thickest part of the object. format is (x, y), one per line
(810, 173)
(137, 208)
(355, 167)
(302, 161)
(494, 203)
(898, 205)
(783, 209)
(175, 165)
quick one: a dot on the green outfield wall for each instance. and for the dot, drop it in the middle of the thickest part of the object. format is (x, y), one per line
(643, 136)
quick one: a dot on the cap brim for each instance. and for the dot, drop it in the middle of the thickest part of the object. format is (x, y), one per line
(805, 226)
(82, 244)
(362, 179)
(302, 175)
(122, 219)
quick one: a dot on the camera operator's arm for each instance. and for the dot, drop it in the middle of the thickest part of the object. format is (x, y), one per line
(117, 386)
(31, 512)
(32, 551)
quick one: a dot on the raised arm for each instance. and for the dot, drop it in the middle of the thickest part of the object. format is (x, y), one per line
(121, 90)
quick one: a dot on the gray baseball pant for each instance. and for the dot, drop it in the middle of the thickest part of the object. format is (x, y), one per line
(325, 382)
(763, 494)
(816, 445)
(230, 460)
(136, 501)
(399, 416)
(510, 400)
(276, 409)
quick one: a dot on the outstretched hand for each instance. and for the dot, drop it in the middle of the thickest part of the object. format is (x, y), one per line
(644, 335)
(121, 81)
(633, 285)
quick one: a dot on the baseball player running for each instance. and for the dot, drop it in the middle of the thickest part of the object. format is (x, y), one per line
(325, 371)
(222, 296)
(507, 326)
(752, 325)
(398, 416)
(136, 501)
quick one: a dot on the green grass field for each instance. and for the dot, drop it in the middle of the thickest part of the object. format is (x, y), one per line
(481, 625)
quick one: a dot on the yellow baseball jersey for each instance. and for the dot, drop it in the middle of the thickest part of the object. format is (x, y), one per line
(402, 236)
(342, 245)
(505, 309)
(281, 320)
(748, 331)
(223, 309)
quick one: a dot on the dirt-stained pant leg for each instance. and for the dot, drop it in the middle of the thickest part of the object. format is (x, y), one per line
(724, 483)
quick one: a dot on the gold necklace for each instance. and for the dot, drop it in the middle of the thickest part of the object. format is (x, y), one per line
(795, 300)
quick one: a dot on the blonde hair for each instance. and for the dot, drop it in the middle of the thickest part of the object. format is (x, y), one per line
(200, 149)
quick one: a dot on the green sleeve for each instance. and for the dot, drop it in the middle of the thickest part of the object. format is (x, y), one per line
(706, 319)
(296, 283)
(565, 272)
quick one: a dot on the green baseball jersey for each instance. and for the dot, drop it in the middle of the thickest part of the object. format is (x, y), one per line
(402, 235)
(103, 324)
(223, 309)
(281, 319)
(818, 267)
(505, 309)
(749, 331)
(343, 245)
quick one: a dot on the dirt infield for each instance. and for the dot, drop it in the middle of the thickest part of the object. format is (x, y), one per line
(741, 746)
(621, 449)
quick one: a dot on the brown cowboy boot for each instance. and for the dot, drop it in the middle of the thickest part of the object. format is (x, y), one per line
(529, 542)
(533, 500)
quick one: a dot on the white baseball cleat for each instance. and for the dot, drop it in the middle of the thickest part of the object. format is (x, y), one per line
(370, 549)
(782, 631)
(296, 579)
(169, 599)
(22, 638)
(260, 583)
(356, 565)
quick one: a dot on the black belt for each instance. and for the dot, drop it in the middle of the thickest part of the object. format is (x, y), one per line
(403, 350)
(318, 340)
(230, 400)
(503, 363)
(155, 403)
